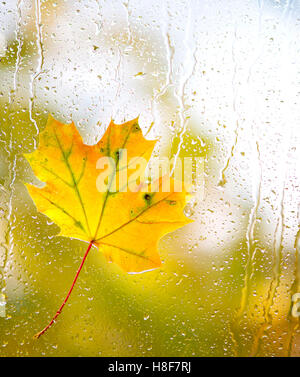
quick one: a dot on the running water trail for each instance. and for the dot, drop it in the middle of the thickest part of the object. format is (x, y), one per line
(168, 80)
(98, 21)
(250, 237)
(256, 183)
(11, 155)
(223, 180)
(295, 288)
(118, 80)
(294, 323)
(12, 94)
(128, 14)
(257, 179)
(39, 68)
(259, 50)
(279, 229)
(190, 55)
(269, 302)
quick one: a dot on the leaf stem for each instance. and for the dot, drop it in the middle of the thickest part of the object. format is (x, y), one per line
(68, 295)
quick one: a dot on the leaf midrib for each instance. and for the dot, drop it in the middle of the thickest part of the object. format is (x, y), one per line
(75, 186)
(107, 191)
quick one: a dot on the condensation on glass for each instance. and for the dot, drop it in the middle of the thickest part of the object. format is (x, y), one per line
(215, 79)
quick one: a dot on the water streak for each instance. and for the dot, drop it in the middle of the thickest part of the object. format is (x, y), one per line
(12, 158)
(128, 14)
(99, 21)
(166, 85)
(256, 188)
(181, 92)
(294, 322)
(39, 68)
(118, 81)
(222, 180)
(250, 238)
(278, 237)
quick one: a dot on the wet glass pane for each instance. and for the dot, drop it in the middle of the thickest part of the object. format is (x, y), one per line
(216, 81)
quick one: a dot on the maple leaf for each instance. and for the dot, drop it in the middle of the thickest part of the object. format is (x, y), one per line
(125, 225)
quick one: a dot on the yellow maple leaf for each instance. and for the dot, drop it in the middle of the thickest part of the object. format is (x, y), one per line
(124, 224)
